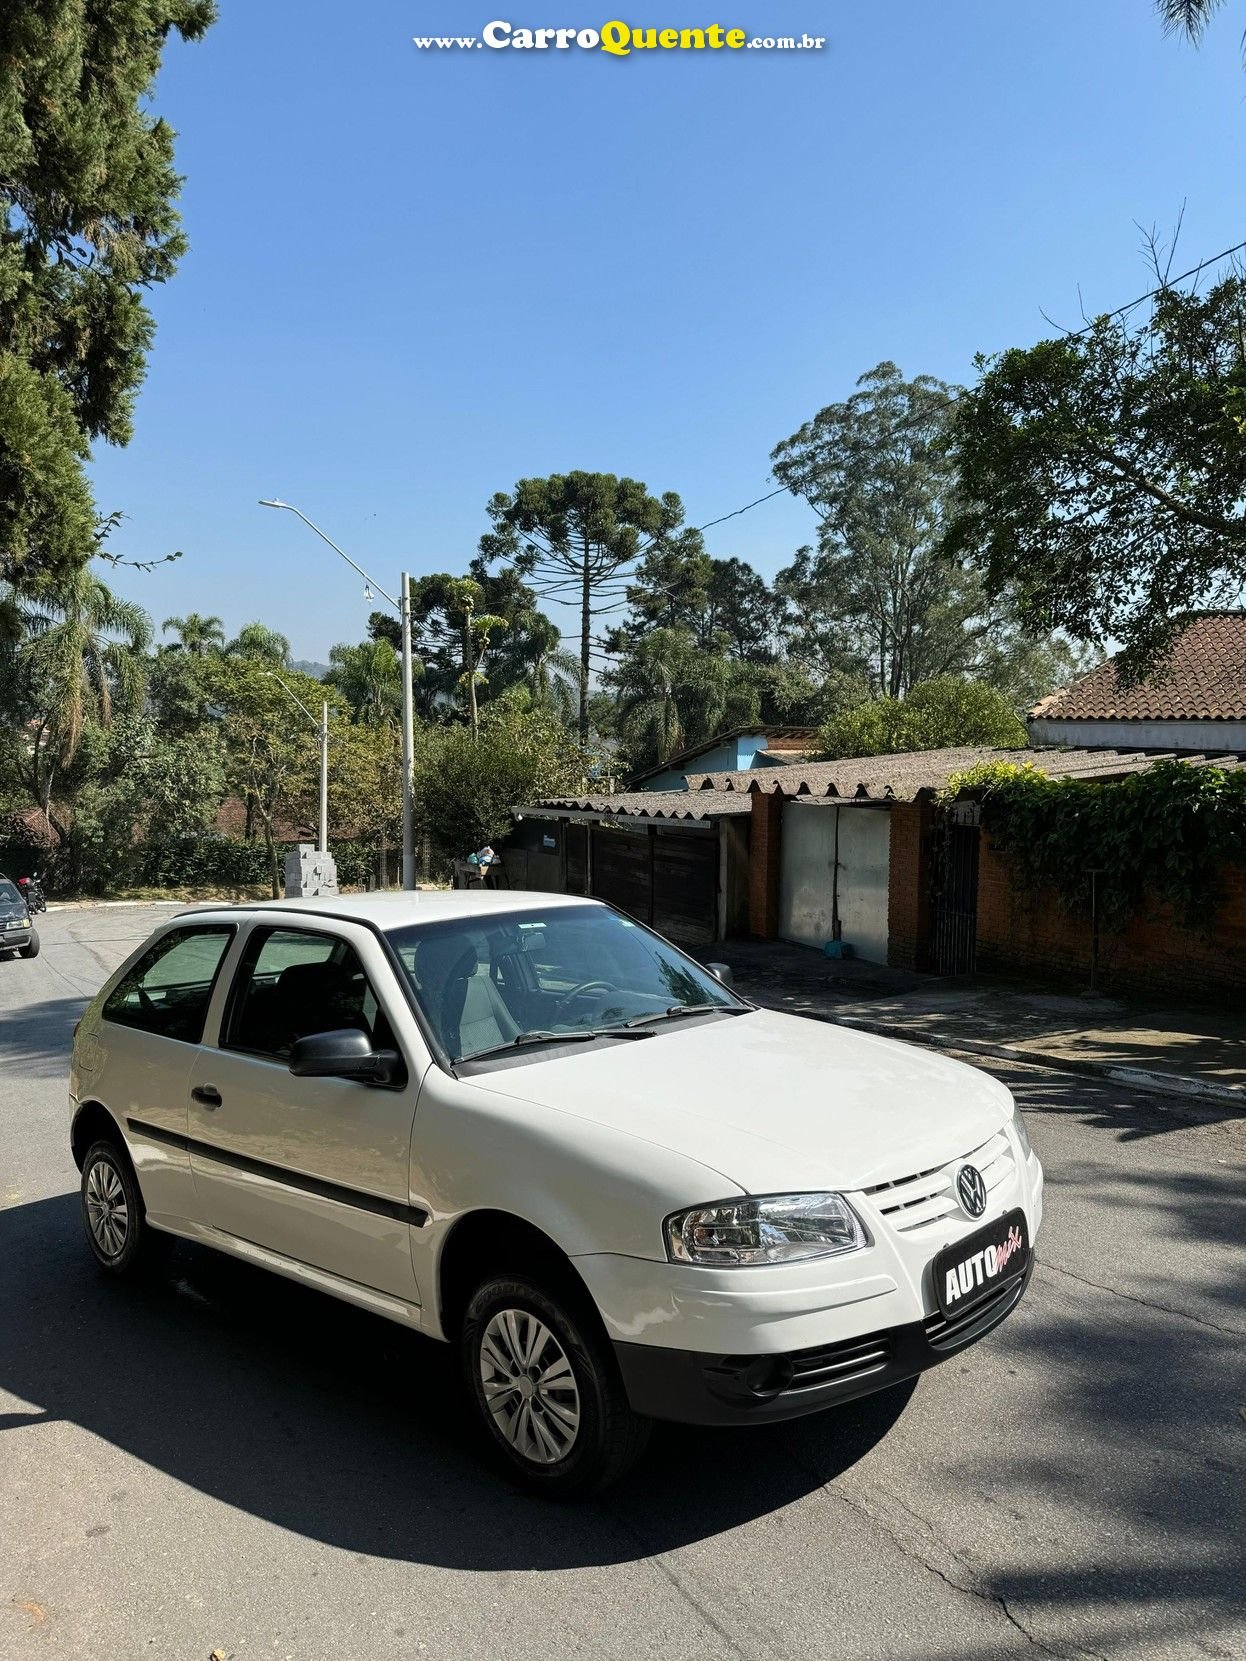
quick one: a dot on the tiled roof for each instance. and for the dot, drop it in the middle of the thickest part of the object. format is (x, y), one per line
(1203, 679)
(904, 777)
(641, 804)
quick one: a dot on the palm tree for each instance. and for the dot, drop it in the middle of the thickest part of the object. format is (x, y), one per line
(1189, 16)
(196, 634)
(554, 678)
(80, 660)
(259, 642)
(648, 713)
(369, 677)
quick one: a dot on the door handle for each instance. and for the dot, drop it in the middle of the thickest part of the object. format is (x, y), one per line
(208, 1094)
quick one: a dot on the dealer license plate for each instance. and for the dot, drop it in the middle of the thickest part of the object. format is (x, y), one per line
(973, 1268)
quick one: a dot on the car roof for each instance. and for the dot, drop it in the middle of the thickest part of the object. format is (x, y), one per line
(397, 908)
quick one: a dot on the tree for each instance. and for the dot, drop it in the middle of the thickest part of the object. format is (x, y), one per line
(465, 786)
(579, 534)
(196, 634)
(1191, 17)
(80, 659)
(260, 644)
(528, 653)
(369, 677)
(455, 635)
(271, 751)
(672, 695)
(743, 610)
(879, 588)
(722, 603)
(142, 787)
(936, 715)
(1103, 475)
(365, 784)
(87, 223)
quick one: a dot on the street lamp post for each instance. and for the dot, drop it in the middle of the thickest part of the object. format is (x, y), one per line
(323, 724)
(403, 607)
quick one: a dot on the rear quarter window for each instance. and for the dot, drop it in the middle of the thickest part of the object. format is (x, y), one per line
(168, 990)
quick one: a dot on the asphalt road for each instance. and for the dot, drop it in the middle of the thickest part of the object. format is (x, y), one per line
(223, 1461)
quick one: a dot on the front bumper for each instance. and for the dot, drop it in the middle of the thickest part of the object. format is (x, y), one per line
(692, 1387)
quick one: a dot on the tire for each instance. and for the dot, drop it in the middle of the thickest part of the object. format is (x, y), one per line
(113, 1214)
(579, 1435)
(31, 948)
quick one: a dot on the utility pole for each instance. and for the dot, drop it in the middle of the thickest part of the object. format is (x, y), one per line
(408, 739)
(402, 606)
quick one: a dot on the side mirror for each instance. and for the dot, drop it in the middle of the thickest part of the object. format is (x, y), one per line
(347, 1054)
(722, 972)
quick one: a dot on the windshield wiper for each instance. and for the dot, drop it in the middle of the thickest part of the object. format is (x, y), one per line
(578, 1035)
(674, 1011)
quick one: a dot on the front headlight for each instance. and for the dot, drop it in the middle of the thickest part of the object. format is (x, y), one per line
(1023, 1136)
(772, 1228)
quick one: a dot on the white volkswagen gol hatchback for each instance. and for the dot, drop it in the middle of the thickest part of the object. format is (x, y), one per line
(527, 1125)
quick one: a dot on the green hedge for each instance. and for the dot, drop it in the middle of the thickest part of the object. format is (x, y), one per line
(218, 861)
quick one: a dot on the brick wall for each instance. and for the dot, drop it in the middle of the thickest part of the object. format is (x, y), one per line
(908, 899)
(1023, 932)
(765, 864)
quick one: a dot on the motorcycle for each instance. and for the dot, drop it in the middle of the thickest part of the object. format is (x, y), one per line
(32, 892)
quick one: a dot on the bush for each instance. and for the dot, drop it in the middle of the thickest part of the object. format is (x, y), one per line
(201, 862)
(1163, 833)
(936, 715)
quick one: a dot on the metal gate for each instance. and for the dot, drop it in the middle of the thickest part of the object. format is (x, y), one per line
(954, 889)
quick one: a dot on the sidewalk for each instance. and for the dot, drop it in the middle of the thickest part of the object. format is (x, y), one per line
(1173, 1047)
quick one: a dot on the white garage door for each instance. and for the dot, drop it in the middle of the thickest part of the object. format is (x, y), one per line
(805, 909)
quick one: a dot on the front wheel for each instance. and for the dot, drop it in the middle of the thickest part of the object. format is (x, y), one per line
(31, 948)
(547, 1390)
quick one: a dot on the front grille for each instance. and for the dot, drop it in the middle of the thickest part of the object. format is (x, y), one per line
(927, 1197)
(945, 1331)
(839, 1363)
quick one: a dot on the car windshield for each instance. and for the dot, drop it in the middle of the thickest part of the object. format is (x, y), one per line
(564, 973)
(8, 894)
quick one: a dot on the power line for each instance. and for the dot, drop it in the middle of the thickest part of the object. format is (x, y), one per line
(1074, 334)
(736, 512)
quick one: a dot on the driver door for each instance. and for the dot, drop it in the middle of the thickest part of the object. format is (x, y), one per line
(316, 1169)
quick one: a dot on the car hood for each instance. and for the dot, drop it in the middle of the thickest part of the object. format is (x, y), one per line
(12, 908)
(773, 1102)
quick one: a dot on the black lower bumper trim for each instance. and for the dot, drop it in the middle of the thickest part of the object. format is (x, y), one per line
(691, 1387)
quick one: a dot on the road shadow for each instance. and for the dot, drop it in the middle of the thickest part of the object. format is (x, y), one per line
(35, 1039)
(345, 1428)
(1131, 1114)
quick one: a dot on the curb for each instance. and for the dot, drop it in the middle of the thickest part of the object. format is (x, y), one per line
(102, 905)
(1138, 1078)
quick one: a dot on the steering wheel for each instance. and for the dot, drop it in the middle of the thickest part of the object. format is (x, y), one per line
(578, 992)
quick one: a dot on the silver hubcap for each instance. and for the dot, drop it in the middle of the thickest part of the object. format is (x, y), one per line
(529, 1386)
(107, 1212)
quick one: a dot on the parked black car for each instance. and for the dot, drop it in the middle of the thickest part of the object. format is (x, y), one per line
(17, 932)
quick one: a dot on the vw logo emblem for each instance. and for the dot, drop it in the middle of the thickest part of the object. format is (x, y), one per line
(972, 1189)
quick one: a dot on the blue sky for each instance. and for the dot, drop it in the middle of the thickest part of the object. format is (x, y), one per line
(415, 277)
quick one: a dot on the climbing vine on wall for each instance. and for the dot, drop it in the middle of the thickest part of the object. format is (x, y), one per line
(1160, 834)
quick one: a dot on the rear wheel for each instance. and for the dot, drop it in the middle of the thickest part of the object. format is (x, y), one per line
(547, 1390)
(113, 1212)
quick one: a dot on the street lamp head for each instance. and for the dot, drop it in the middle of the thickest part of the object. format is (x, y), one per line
(273, 502)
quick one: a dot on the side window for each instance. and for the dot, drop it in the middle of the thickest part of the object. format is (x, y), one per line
(168, 990)
(291, 983)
